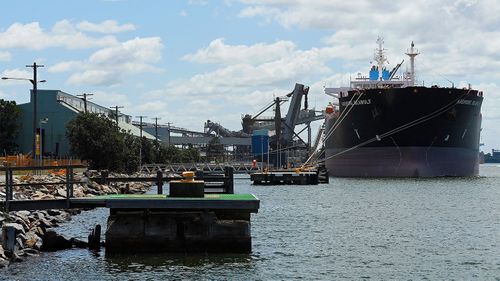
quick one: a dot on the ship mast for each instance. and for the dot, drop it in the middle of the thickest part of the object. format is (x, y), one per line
(380, 57)
(412, 53)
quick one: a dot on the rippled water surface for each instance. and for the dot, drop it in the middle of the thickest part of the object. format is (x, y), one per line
(435, 229)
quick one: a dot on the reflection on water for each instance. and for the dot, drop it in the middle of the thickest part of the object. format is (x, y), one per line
(437, 229)
(139, 263)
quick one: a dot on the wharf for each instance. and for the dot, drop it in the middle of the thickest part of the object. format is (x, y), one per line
(285, 177)
(243, 202)
(189, 219)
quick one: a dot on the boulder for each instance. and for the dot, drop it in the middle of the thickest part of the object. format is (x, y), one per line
(23, 214)
(53, 212)
(38, 231)
(2, 253)
(4, 262)
(78, 243)
(16, 226)
(20, 221)
(78, 192)
(20, 242)
(33, 240)
(16, 256)
(31, 252)
(61, 192)
(44, 223)
(52, 241)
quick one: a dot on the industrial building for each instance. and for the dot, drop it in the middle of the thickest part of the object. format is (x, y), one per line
(55, 109)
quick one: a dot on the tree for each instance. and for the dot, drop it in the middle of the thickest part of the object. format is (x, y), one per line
(96, 139)
(215, 150)
(9, 126)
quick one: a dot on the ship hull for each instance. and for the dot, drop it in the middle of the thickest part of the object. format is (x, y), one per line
(404, 162)
(405, 132)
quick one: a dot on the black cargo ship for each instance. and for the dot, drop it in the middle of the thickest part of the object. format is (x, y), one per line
(385, 126)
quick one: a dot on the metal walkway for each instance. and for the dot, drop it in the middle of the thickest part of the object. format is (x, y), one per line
(239, 168)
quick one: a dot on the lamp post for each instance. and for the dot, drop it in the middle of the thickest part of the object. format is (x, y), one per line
(34, 82)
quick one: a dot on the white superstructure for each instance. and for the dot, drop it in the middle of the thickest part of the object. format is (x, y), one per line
(379, 76)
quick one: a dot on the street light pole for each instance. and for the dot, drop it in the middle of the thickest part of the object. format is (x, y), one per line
(34, 82)
(35, 89)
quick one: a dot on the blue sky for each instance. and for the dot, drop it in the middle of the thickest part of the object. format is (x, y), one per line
(189, 61)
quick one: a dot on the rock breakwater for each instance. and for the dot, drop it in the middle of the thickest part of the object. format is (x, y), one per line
(25, 233)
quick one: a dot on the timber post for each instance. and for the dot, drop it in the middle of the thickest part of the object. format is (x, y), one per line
(159, 181)
(229, 174)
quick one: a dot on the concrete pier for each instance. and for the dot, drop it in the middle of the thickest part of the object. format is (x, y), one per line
(160, 223)
(147, 231)
(285, 177)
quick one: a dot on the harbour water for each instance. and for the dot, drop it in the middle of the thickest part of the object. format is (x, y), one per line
(389, 229)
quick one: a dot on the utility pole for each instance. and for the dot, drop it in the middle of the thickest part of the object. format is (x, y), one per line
(156, 138)
(84, 98)
(156, 126)
(35, 89)
(140, 141)
(116, 114)
(168, 126)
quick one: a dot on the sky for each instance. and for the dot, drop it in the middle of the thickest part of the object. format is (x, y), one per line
(188, 61)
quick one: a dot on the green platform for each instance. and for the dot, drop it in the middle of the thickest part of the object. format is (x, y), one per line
(164, 196)
(238, 202)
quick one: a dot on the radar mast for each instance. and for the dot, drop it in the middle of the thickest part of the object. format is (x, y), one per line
(380, 57)
(412, 53)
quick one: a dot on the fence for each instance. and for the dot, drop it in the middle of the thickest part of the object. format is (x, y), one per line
(21, 160)
(223, 183)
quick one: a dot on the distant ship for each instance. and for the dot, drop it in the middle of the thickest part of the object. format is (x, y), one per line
(386, 126)
(493, 157)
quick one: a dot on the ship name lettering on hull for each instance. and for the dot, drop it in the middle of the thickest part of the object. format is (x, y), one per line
(469, 102)
(358, 102)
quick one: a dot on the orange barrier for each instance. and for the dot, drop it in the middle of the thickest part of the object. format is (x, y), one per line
(59, 172)
(16, 160)
(26, 161)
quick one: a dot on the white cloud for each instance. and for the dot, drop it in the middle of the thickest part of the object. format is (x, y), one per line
(219, 52)
(108, 66)
(18, 96)
(148, 107)
(5, 56)
(457, 35)
(183, 13)
(112, 99)
(246, 78)
(65, 66)
(107, 26)
(32, 37)
(248, 66)
(198, 2)
(16, 73)
(491, 102)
